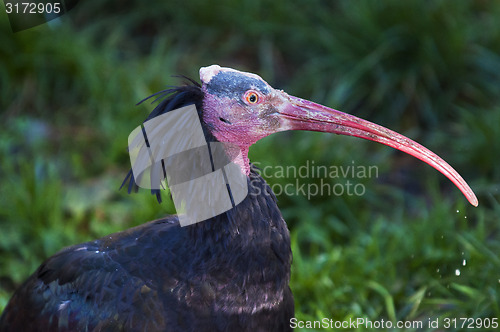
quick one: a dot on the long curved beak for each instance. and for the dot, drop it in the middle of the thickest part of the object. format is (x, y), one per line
(300, 114)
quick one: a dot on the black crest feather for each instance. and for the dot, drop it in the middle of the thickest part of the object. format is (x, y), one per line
(169, 100)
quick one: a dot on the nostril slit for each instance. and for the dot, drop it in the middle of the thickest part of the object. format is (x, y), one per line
(224, 120)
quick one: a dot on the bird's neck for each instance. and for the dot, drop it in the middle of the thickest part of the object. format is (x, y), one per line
(256, 219)
(251, 239)
(243, 161)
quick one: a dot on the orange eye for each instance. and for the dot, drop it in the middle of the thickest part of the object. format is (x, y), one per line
(251, 97)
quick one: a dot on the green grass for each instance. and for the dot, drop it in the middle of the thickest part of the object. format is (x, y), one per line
(68, 104)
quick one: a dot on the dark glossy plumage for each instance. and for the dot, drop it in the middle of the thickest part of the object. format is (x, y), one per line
(229, 273)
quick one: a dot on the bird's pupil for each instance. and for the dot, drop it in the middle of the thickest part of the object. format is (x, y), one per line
(253, 98)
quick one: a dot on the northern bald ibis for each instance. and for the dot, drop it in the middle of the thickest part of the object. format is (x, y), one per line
(227, 273)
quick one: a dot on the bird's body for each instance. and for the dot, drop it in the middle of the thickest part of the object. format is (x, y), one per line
(228, 273)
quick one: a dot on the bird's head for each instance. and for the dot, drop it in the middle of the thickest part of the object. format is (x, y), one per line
(241, 108)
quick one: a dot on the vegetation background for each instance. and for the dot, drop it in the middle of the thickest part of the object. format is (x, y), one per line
(410, 248)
